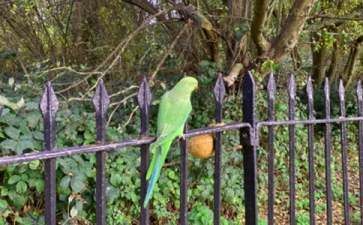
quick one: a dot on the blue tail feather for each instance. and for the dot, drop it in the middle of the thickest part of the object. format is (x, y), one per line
(159, 161)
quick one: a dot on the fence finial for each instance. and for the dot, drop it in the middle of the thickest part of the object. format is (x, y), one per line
(144, 95)
(341, 90)
(359, 90)
(309, 88)
(326, 88)
(292, 87)
(48, 102)
(219, 89)
(101, 100)
(271, 86)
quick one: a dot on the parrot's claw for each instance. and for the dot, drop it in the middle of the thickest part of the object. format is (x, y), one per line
(182, 137)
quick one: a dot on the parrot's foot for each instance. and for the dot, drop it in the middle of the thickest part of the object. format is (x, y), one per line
(182, 137)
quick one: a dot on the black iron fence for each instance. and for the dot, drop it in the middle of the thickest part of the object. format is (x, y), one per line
(249, 130)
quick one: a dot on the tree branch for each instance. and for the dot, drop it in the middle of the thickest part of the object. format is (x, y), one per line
(291, 29)
(258, 22)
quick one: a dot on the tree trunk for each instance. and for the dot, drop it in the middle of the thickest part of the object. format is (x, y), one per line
(291, 30)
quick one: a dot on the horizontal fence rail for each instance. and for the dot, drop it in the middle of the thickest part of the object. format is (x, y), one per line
(249, 130)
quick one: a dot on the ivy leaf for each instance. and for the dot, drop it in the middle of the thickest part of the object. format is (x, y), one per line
(9, 144)
(21, 187)
(23, 144)
(12, 132)
(64, 183)
(77, 184)
(14, 179)
(3, 205)
(34, 164)
(33, 119)
(39, 185)
(115, 179)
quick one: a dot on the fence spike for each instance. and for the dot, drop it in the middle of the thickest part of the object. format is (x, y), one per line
(311, 151)
(292, 87)
(360, 145)
(249, 98)
(292, 150)
(219, 92)
(249, 81)
(144, 97)
(327, 90)
(101, 100)
(49, 106)
(327, 152)
(344, 149)
(49, 101)
(341, 91)
(183, 211)
(309, 89)
(359, 90)
(219, 89)
(271, 87)
(249, 149)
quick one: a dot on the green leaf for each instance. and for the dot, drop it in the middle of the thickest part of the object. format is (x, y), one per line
(64, 183)
(3, 205)
(34, 164)
(18, 200)
(33, 119)
(39, 185)
(23, 144)
(21, 187)
(12, 132)
(14, 179)
(9, 144)
(77, 184)
(115, 179)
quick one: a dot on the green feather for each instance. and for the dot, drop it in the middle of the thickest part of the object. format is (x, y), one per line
(174, 109)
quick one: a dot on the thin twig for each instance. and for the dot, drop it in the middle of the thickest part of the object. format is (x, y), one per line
(118, 104)
(131, 116)
(123, 91)
(171, 47)
(120, 48)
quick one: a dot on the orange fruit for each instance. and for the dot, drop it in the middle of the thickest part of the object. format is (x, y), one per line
(201, 146)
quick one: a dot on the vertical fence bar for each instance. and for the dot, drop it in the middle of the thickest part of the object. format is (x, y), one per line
(311, 153)
(219, 92)
(48, 107)
(183, 181)
(292, 169)
(249, 149)
(360, 147)
(144, 100)
(271, 89)
(327, 150)
(344, 146)
(101, 102)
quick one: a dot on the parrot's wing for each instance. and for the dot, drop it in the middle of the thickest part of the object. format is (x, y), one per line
(172, 116)
(173, 113)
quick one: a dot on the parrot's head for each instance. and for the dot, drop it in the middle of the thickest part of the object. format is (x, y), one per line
(189, 83)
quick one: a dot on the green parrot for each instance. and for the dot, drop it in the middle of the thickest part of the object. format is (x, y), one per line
(174, 109)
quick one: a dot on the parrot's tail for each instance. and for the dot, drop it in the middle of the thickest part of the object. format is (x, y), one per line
(155, 169)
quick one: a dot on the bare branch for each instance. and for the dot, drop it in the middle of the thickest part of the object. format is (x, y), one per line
(258, 22)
